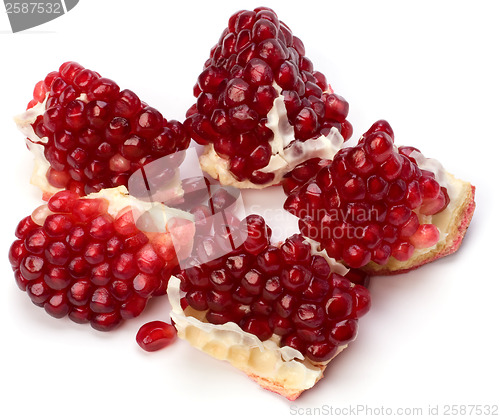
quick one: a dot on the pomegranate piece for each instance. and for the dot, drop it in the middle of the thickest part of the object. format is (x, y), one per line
(378, 207)
(291, 295)
(86, 258)
(155, 335)
(261, 108)
(87, 134)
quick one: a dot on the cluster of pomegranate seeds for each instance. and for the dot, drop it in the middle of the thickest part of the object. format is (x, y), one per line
(236, 90)
(365, 204)
(155, 335)
(302, 173)
(98, 135)
(285, 291)
(73, 258)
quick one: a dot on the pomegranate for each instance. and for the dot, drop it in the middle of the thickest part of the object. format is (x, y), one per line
(278, 312)
(261, 107)
(155, 335)
(87, 134)
(379, 207)
(88, 259)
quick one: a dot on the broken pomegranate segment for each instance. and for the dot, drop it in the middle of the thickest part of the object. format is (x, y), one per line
(379, 207)
(155, 335)
(261, 107)
(88, 259)
(87, 134)
(280, 313)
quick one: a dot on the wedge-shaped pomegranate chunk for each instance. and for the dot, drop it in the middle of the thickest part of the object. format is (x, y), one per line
(261, 107)
(87, 134)
(383, 208)
(88, 259)
(279, 313)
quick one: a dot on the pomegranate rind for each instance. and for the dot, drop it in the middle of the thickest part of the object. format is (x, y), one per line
(287, 151)
(284, 370)
(453, 223)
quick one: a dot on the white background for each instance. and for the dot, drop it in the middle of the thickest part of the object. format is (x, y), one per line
(431, 338)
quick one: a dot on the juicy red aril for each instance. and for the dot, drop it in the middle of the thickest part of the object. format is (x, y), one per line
(317, 289)
(89, 121)
(306, 123)
(145, 285)
(295, 278)
(221, 280)
(124, 266)
(295, 249)
(57, 305)
(103, 89)
(69, 70)
(320, 351)
(269, 261)
(105, 322)
(258, 326)
(280, 325)
(197, 277)
(80, 292)
(362, 299)
(339, 305)
(38, 291)
(343, 332)
(257, 234)
(155, 335)
(363, 205)
(253, 282)
(57, 253)
(381, 126)
(309, 335)
(257, 72)
(32, 267)
(197, 299)
(80, 315)
(74, 264)
(17, 253)
(285, 291)
(309, 316)
(218, 300)
(236, 90)
(379, 147)
(294, 341)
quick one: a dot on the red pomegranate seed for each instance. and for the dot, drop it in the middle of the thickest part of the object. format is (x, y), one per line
(320, 351)
(57, 305)
(155, 335)
(104, 322)
(343, 332)
(426, 235)
(258, 326)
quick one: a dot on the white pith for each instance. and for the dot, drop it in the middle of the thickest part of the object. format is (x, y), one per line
(243, 350)
(286, 151)
(118, 198)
